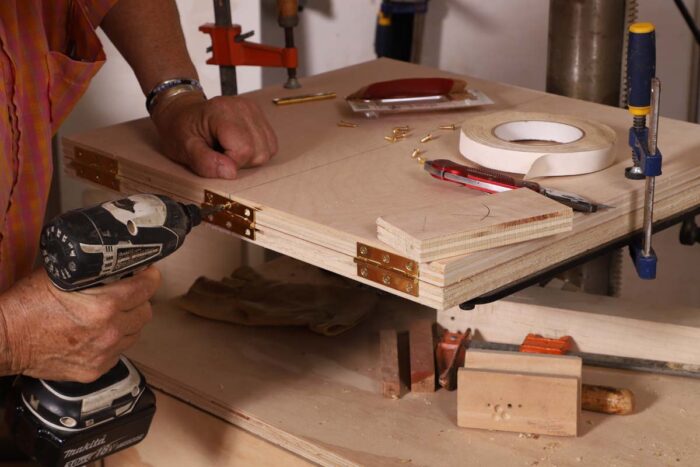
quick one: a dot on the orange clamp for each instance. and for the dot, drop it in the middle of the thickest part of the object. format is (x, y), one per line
(227, 51)
(534, 343)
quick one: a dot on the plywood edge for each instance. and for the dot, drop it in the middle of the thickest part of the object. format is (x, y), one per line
(459, 245)
(306, 449)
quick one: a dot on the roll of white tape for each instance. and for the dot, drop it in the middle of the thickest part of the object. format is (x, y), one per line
(537, 144)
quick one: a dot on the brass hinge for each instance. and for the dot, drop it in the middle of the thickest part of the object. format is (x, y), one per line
(95, 167)
(237, 218)
(388, 269)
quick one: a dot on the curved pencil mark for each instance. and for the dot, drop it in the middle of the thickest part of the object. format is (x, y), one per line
(488, 212)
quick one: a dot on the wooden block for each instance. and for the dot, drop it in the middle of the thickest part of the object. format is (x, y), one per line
(449, 229)
(422, 351)
(389, 357)
(520, 402)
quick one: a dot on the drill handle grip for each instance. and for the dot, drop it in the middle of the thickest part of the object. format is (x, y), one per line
(641, 67)
(288, 13)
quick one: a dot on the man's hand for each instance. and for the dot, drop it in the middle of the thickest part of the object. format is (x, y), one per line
(72, 336)
(216, 137)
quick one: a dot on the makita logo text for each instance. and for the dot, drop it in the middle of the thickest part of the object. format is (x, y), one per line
(85, 447)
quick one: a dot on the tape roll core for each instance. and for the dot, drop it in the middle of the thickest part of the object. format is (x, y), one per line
(537, 144)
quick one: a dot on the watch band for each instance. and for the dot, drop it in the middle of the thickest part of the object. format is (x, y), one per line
(185, 84)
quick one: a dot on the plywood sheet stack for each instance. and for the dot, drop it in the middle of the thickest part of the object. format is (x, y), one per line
(320, 198)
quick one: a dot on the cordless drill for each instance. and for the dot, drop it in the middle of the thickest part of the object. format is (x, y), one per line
(71, 424)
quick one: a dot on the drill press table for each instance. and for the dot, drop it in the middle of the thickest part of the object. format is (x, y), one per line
(319, 198)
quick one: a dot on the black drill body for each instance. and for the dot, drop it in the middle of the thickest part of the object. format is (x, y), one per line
(71, 424)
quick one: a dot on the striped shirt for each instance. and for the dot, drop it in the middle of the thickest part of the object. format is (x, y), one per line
(48, 53)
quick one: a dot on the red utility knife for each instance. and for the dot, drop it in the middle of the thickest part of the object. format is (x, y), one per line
(491, 181)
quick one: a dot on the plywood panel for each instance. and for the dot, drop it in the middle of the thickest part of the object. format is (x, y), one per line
(328, 185)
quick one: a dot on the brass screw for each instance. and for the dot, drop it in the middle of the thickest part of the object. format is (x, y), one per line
(409, 266)
(409, 287)
(229, 224)
(391, 139)
(246, 213)
(209, 197)
(210, 217)
(428, 137)
(386, 258)
(364, 272)
(416, 153)
(247, 232)
(403, 128)
(386, 280)
(451, 126)
(345, 124)
(363, 250)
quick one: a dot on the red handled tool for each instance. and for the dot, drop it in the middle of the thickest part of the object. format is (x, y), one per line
(491, 181)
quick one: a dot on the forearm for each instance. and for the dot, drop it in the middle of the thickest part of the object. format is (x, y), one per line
(149, 36)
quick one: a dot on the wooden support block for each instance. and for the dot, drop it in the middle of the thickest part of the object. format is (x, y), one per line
(422, 351)
(521, 402)
(513, 391)
(389, 356)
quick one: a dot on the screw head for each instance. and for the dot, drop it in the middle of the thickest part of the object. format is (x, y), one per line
(386, 258)
(247, 232)
(246, 213)
(229, 224)
(363, 250)
(409, 288)
(409, 266)
(386, 279)
(364, 272)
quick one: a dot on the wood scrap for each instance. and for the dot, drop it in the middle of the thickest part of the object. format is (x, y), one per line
(443, 230)
(389, 361)
(606, 399)
(422, 354)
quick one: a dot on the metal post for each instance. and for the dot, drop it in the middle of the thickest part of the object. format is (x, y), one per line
(584, 60)
(222, 17)
(651, 181)
(584, 56)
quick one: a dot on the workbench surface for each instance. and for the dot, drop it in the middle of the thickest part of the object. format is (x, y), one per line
(324, 191)
(320, 398)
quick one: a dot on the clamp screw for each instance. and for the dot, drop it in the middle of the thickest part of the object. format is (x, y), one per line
(363, 250)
